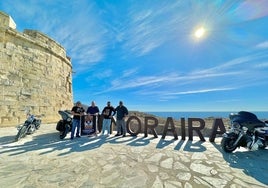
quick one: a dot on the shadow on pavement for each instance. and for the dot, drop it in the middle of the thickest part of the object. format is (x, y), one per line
(6, 140)
(45, 143)
(252, 163)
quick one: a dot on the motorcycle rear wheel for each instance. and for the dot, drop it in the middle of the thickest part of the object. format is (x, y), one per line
(227, 144)
(21, 133)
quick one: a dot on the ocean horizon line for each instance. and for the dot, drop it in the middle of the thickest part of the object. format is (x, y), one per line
(202, 114)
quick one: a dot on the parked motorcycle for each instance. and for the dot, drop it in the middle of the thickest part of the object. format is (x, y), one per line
(32, 123)
(246, 131)
(64, 126)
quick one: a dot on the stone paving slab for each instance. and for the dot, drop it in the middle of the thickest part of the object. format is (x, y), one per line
(43, 160)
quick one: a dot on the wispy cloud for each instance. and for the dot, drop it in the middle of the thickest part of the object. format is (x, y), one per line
(234, 74)
(239, 65)
(252, 9)
(148, 28)
(262, 65)
(262, 45)
(83, 36)
(206, 89)
(130, 72)
(201, 91)
(158, 81)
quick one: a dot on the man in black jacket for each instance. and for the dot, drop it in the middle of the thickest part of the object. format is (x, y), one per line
(121, 114)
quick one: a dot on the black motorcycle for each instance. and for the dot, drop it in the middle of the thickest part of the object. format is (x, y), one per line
(32, 123)
(64, 126)
(246, 131)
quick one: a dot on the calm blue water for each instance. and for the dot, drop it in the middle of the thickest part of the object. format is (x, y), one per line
(178, 115)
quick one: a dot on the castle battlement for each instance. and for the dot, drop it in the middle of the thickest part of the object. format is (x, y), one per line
(6, 21)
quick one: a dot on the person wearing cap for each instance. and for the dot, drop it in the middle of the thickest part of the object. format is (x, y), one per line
(77, 112)
(108, 112)
(121, 114)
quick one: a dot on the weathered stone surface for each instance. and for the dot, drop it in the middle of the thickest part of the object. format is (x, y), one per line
(167, 163)
(36, 75)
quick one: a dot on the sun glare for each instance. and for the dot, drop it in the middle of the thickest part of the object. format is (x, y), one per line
(199, 32)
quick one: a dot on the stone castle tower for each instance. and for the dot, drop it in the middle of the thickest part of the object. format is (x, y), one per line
(35, 75)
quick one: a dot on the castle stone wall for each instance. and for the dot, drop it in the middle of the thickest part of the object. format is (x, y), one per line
(35, 75)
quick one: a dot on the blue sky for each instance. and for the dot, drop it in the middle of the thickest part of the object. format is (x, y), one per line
(145, 52)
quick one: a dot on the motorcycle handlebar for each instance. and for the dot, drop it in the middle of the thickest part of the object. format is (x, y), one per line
(36, 116)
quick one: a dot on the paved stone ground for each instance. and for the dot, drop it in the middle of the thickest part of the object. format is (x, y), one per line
(43, 160)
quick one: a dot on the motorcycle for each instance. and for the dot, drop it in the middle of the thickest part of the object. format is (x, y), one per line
(64, 126)
(32, 123)
(246, 131)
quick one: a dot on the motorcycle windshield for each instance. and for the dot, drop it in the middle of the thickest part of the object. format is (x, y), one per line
(246, 119)
(248, 115)
(242, 116)
(65, 115)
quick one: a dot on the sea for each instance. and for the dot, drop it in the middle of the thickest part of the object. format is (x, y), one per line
(263, 115)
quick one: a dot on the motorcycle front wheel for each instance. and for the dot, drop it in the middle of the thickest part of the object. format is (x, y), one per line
(21, 133)
(31, 129)
(65, 132)
(227, 144)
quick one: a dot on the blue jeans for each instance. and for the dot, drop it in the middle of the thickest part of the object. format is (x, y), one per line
(106, 125)
(76, 124)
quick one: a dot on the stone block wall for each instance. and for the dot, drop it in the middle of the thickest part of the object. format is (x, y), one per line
(35, 75)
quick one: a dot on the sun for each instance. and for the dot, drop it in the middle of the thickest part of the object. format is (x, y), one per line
(199, 32)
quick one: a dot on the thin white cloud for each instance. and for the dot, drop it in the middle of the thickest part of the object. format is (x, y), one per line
(130, 72)
(168, 94)
(200, 91)
(138, 82)
(262, 45)
(262, 65)
(240, 64)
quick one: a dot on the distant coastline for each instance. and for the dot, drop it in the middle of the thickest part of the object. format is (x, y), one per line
(178, 115)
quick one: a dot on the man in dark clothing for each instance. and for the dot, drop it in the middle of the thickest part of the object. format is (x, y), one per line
(93, 113)
(121, 113)
(108, 112)
(77, 112)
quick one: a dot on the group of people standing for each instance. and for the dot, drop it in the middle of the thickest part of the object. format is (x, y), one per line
(91, 115)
